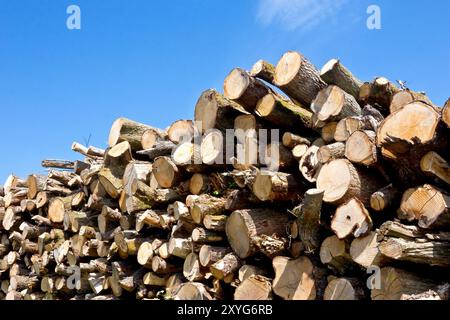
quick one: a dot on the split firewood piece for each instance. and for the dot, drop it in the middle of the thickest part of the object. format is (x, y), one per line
(127, 130)
(245, 227)
(192, 291)
(263, 70)
(276, 186)
(298, 78)
(151, 137)
(118, 157)
(365, 251)
(166, 172)
(152, 279)
(213, 110)
(361, 148)
(395, 283)
(308, 219)
(180, 247)
(209, 255)
(291, 140)
(335, 254)
(404, 97)
(225, 268)
(331, 152)
(58, 164)
(383, 198)
(409, 243)
(254, 288)
(309, 164)
(248, 270)
(347, 289)
(328, 131)
(244, 89)
(112, 184)
(380, 91)
(341, 181)
(347, 126)
(334, 73)
(199, 183)
(405, 133)
(283, 113)
(333, 104)
(136, 171)
(35, 183)
(446, 114)
(427, 204)
(192, 269)
(434, 165)
(58, 207)
(20, 282)
(351, 218)
(159, 149)
(294, 279)
(200, 235)
(299, 151)
(205, 205)
(181, 131)
(215, 222)
(14, 198)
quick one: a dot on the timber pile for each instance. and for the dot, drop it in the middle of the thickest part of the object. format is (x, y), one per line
(357, 178)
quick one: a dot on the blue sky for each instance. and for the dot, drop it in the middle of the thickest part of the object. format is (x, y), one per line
(150, 60)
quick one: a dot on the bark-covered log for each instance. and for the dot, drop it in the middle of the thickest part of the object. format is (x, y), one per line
(276, 186)
(254, 288)
(334, 73)
(263, 70)
(434, 165)
(298, 78)
(127, 130)
(351, 218)
(404, 97)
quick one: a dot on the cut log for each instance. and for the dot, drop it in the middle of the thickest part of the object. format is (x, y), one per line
(328, 131)
(294, 279)
(118, 157)
(166, 172)
(334, 254)
(200, 235)
(341, 181)
(427, 204)
(161, 266)
(334, 73)
(383, 198)
(199, 183)
(145, 254)
(291, 140)
(188, 156)
(244, 89)
(365, 251)
(397, 282)
(112, 184)
(275, 186)
(380, 91)
(213, 148)
(334, 104)
(299, 151)
(409, 243)
(226, 267)
(309, 164)
(446, 114)
(215, 111)
(35, 183)
(263, 70)
(151, 137)
(404, 97)
(245, 226)
(127, 130)
(254, 288)
(181, 131)
(283, 113)
(278, 158)
(58, 207)
(361, 148)
(152, 279)
(215, 222)
(298, 78)
(191, 291)
(331, 152)
(308, 219)
(209, 255)
(351, 218)
(192, 270)
(346, 289)
(207, 205)
(434, 165)
(58, 164)
(159, 149)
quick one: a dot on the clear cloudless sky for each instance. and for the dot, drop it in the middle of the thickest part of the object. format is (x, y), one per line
(150, 60)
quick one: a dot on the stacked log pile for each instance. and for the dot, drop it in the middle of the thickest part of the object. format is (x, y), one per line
(348, 200)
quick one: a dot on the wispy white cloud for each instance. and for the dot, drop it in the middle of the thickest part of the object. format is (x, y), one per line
(294, 14)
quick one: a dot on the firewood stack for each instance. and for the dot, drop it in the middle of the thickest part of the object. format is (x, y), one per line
(349, 199)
